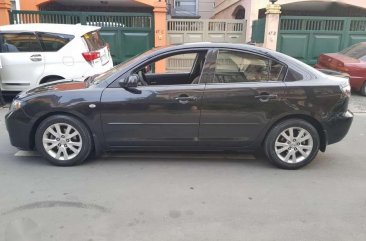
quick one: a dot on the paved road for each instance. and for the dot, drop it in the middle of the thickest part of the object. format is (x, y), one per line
(185, 197)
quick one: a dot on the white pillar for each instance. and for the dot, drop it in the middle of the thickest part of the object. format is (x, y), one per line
(272, 26)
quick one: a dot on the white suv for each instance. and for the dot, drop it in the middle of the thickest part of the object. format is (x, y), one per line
(33, 54)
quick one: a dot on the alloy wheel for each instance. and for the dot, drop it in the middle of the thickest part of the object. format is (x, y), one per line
(294, 145)
(62, 141)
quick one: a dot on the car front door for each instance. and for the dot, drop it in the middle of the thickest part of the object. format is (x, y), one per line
(162, 113)
(243, 94)
(21, 60)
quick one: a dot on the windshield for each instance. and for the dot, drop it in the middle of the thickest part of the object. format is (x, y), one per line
(103, 76)
(357, 51)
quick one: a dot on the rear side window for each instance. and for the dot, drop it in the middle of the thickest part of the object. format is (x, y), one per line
(53, 42)
(94, 41)
(293, 75)
(19, 42)
(232, 66)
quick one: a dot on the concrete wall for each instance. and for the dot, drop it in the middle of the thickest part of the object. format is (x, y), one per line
(206, 8)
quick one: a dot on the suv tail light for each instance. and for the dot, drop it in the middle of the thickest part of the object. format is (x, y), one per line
(90, 56)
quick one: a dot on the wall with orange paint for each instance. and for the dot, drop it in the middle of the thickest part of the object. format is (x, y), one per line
(30, 4)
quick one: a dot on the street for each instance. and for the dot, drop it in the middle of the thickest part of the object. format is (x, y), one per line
(130, 196)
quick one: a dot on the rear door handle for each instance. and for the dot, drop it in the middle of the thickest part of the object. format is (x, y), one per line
(36, 57)
(265, 97)
(185, 99)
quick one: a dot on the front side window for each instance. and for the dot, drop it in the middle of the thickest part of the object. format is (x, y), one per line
(19, 42)
(175, 69)
(53, 42)
(181, 63)
(236, 67)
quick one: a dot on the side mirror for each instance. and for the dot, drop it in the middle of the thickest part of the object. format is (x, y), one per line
(129, 82)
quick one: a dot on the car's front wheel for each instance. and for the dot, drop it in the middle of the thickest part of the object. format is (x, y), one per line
(63, 140)
(292, 144)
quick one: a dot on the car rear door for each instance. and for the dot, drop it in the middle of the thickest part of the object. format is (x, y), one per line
(243, 95)
(153, 115)
(22, 60)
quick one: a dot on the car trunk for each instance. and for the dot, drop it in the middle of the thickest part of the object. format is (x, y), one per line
(336, 61)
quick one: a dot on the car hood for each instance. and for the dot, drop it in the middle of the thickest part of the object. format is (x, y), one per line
(60, 85)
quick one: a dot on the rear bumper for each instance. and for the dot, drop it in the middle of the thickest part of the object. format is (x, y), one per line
(337, 127)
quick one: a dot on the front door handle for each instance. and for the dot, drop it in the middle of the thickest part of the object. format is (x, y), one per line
(36, 57)
(265, 97)
(185, 99)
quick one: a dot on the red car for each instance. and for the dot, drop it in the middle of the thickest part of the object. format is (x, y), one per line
(352, 61)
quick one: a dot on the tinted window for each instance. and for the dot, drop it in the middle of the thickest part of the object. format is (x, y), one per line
(293, 75)
(52, 42)
(234, 67)
(94, 41)
(19, 42)
(180, 63)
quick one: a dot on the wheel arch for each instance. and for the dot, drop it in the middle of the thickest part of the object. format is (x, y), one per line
(96, 142)
(314, 122)
(45, 78)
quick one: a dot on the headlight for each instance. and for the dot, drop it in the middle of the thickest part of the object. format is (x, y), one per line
(15, 105)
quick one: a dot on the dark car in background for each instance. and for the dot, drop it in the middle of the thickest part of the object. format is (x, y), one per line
(352, 61)
(211, 97)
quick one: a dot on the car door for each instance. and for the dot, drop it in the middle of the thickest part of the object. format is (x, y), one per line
(244, 93)
(22, 60)
(155, 115)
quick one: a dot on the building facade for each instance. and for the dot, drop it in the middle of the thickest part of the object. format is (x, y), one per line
(254, 9)
(191, 8)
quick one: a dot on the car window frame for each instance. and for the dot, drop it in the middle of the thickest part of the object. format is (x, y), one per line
(153, 58)
(20, 32)
(38, 33)
(244, 51)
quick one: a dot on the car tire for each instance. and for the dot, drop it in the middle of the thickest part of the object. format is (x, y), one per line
(292, 144)
(63, 140)
(363, 89)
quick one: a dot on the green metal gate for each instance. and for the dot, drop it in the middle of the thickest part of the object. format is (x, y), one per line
(258, 27)
(128, 34)
(305, 38)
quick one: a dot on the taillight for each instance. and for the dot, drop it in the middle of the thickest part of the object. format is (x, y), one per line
(90, 56)
(341, 67)
(346, 88)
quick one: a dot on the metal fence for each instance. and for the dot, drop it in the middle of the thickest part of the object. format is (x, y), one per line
(305, 38)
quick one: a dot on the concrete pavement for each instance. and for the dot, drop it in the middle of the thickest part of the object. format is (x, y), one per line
(185, 197)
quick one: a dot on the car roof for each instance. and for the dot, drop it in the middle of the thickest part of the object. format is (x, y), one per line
(77, 29)
(188, 46)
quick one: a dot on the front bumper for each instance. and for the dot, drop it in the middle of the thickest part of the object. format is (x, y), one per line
(19, 128)
(337, 127)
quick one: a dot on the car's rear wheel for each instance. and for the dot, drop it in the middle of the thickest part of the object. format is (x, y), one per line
(63, 140)
(292, 144)
(363, 89)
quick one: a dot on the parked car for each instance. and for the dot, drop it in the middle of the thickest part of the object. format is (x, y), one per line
(352, 61)
(33, 54)
(234, 97)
